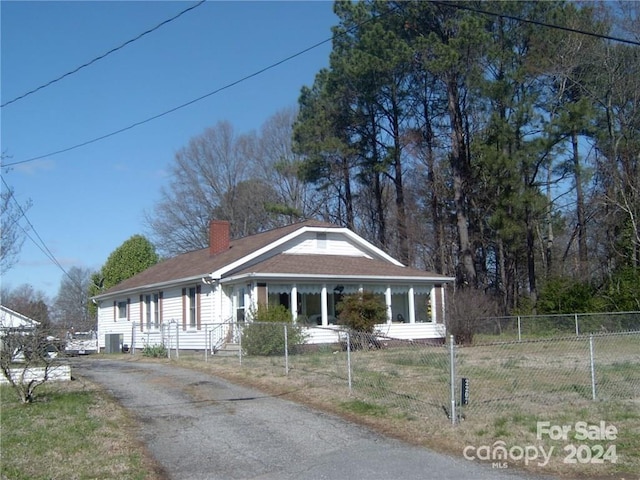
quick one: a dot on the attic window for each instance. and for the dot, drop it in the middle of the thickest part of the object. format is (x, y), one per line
(321, 240)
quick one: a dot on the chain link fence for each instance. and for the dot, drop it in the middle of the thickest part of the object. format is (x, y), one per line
(533, 376)
(446, 381)
(532, 327)
(423, 379)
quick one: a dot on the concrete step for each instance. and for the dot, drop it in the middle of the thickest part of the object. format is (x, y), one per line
(228, 349)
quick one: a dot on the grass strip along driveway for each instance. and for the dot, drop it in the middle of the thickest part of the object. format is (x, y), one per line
(73, 430)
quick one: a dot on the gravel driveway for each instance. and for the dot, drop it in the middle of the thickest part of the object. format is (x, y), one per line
(202, 427)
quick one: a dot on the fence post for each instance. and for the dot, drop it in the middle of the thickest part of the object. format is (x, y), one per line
(286, 351)
(166, 338)
(452, 373)
(592, 360)
(177, 340)
(349, 361)
(519, 330)
(575, 316)
(239, 342)
(206, 343)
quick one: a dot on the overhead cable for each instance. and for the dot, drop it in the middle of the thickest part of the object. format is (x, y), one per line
(42, 245)
(232, 84)
(100, 57)
(461, 6)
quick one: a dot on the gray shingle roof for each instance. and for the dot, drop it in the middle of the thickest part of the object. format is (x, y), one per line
(200, 263)
(332, 265)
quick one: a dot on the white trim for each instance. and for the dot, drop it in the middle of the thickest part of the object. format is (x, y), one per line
(293, 302)
(323, 306)
(217, 274)
(142, 289)
(412, 305)
(31, 323)
(387, 301)
(360, 278)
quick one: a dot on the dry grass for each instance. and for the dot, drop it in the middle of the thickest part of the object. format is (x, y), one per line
(403, 392)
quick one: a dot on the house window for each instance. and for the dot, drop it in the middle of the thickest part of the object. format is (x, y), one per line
(423, 307)
(156, 310)
(122, 310)
(321, 240)
(240, 305)
(152, 311)
(147, 309)
(193, 308)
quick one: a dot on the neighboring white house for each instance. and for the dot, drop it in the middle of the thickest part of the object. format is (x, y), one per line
(14, 322)
(306, 267)
(10, 320)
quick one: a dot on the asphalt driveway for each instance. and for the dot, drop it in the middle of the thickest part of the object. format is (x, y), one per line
(202, 427)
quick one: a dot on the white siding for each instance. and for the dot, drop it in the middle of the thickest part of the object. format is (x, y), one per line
(334, 244)
(10, 319)
(417, 331)
(107, 325)
(59, 373)
(172, 305)
(413, 331)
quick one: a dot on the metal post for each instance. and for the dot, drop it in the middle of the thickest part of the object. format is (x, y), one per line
(239, 342)
(593, 368)
(168, 338)
(575, 316)
(286, 352)
(519, 330)
(349, 361)
(452, 359)
(133, 337)
(206, 343)
(177, 340)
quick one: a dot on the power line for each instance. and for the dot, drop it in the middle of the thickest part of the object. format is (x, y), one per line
(273, 65)
(42, 246)
(171, 110)
(534, 22)
(100, 57)
(202, 97)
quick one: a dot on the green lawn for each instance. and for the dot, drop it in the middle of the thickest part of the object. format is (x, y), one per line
(71, 431)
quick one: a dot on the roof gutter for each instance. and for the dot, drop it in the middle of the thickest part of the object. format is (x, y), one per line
(153, 286)
(317, 277)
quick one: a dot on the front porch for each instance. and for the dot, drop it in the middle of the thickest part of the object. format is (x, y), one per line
(316, 303)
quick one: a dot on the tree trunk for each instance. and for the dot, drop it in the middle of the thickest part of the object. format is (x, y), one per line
(465, 272)
(401, 214)
(580, 208)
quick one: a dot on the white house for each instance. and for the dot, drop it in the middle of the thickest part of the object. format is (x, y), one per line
(12, 321)
(306, 267)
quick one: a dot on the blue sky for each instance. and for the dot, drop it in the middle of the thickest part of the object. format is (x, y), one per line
(88, 201)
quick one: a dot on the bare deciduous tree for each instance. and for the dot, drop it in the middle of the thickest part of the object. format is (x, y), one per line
(70, 308)
(27, 356)
(12, 233)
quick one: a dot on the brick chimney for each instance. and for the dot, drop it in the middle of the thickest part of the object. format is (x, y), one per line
(218, 236)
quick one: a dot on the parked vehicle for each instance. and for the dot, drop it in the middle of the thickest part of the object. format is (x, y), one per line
(81, 343)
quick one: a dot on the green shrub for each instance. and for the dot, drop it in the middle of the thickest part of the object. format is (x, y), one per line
(265, 333)
(361, 311)
(155, 351)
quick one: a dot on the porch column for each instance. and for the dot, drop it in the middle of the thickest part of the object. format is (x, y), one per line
(293, 301)
(412, 305)
(387, 301)
(323, 306)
